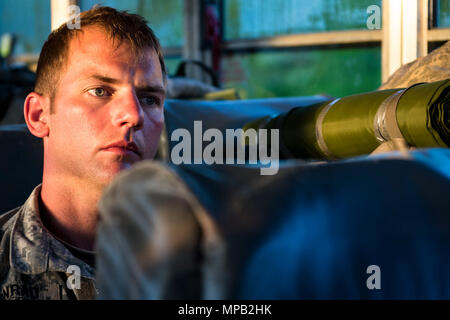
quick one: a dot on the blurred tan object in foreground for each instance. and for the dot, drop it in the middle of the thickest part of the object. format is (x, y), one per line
(433, 67)
(155, 240)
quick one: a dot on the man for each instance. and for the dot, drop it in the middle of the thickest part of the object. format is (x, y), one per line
(98, 106)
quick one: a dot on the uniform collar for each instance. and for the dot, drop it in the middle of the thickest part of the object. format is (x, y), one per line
(34, 250)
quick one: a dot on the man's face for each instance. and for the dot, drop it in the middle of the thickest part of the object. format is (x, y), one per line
(107, 110)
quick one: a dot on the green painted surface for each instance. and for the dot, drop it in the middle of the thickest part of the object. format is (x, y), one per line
(336, 72)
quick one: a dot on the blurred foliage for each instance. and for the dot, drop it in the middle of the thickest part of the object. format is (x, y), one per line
(259, 18)
(303, 72)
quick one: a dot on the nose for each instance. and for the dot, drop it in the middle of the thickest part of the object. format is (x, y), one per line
(128, 111)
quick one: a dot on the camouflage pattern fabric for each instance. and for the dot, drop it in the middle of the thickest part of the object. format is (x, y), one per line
(433, 67)
(156, 241)
(36, 266)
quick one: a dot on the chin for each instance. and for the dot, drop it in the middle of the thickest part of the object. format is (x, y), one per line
(110, 173)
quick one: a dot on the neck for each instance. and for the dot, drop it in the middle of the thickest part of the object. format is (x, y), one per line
(69, 210)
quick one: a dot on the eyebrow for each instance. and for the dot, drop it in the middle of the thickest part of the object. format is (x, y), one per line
(103, 79)
(145, 88)
(150, 88)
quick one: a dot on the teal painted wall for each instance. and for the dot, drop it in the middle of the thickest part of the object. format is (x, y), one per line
(29, 20)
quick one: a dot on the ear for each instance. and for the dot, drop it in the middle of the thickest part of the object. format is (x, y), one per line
(36, 111)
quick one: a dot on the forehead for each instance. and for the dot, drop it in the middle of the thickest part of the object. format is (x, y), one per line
(93, 50)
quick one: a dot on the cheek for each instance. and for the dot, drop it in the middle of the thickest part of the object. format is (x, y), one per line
(154, 120)
(79, 125)
(156, 116)
(151, 132)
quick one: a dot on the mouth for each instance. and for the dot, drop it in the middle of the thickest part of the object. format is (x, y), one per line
(123, 148)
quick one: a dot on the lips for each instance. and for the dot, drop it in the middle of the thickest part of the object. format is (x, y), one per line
(123, 148)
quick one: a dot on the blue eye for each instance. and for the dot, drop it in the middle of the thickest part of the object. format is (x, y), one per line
(149, 100)
(98, 92)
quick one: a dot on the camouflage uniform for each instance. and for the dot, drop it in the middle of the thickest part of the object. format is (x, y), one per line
(33, 264)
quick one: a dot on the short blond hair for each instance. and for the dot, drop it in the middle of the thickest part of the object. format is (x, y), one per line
(119, 25)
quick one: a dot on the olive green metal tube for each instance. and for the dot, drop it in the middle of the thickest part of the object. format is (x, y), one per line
(348, 126)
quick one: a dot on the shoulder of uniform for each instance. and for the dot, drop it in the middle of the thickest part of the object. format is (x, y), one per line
(7, 217)
(6, 223)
